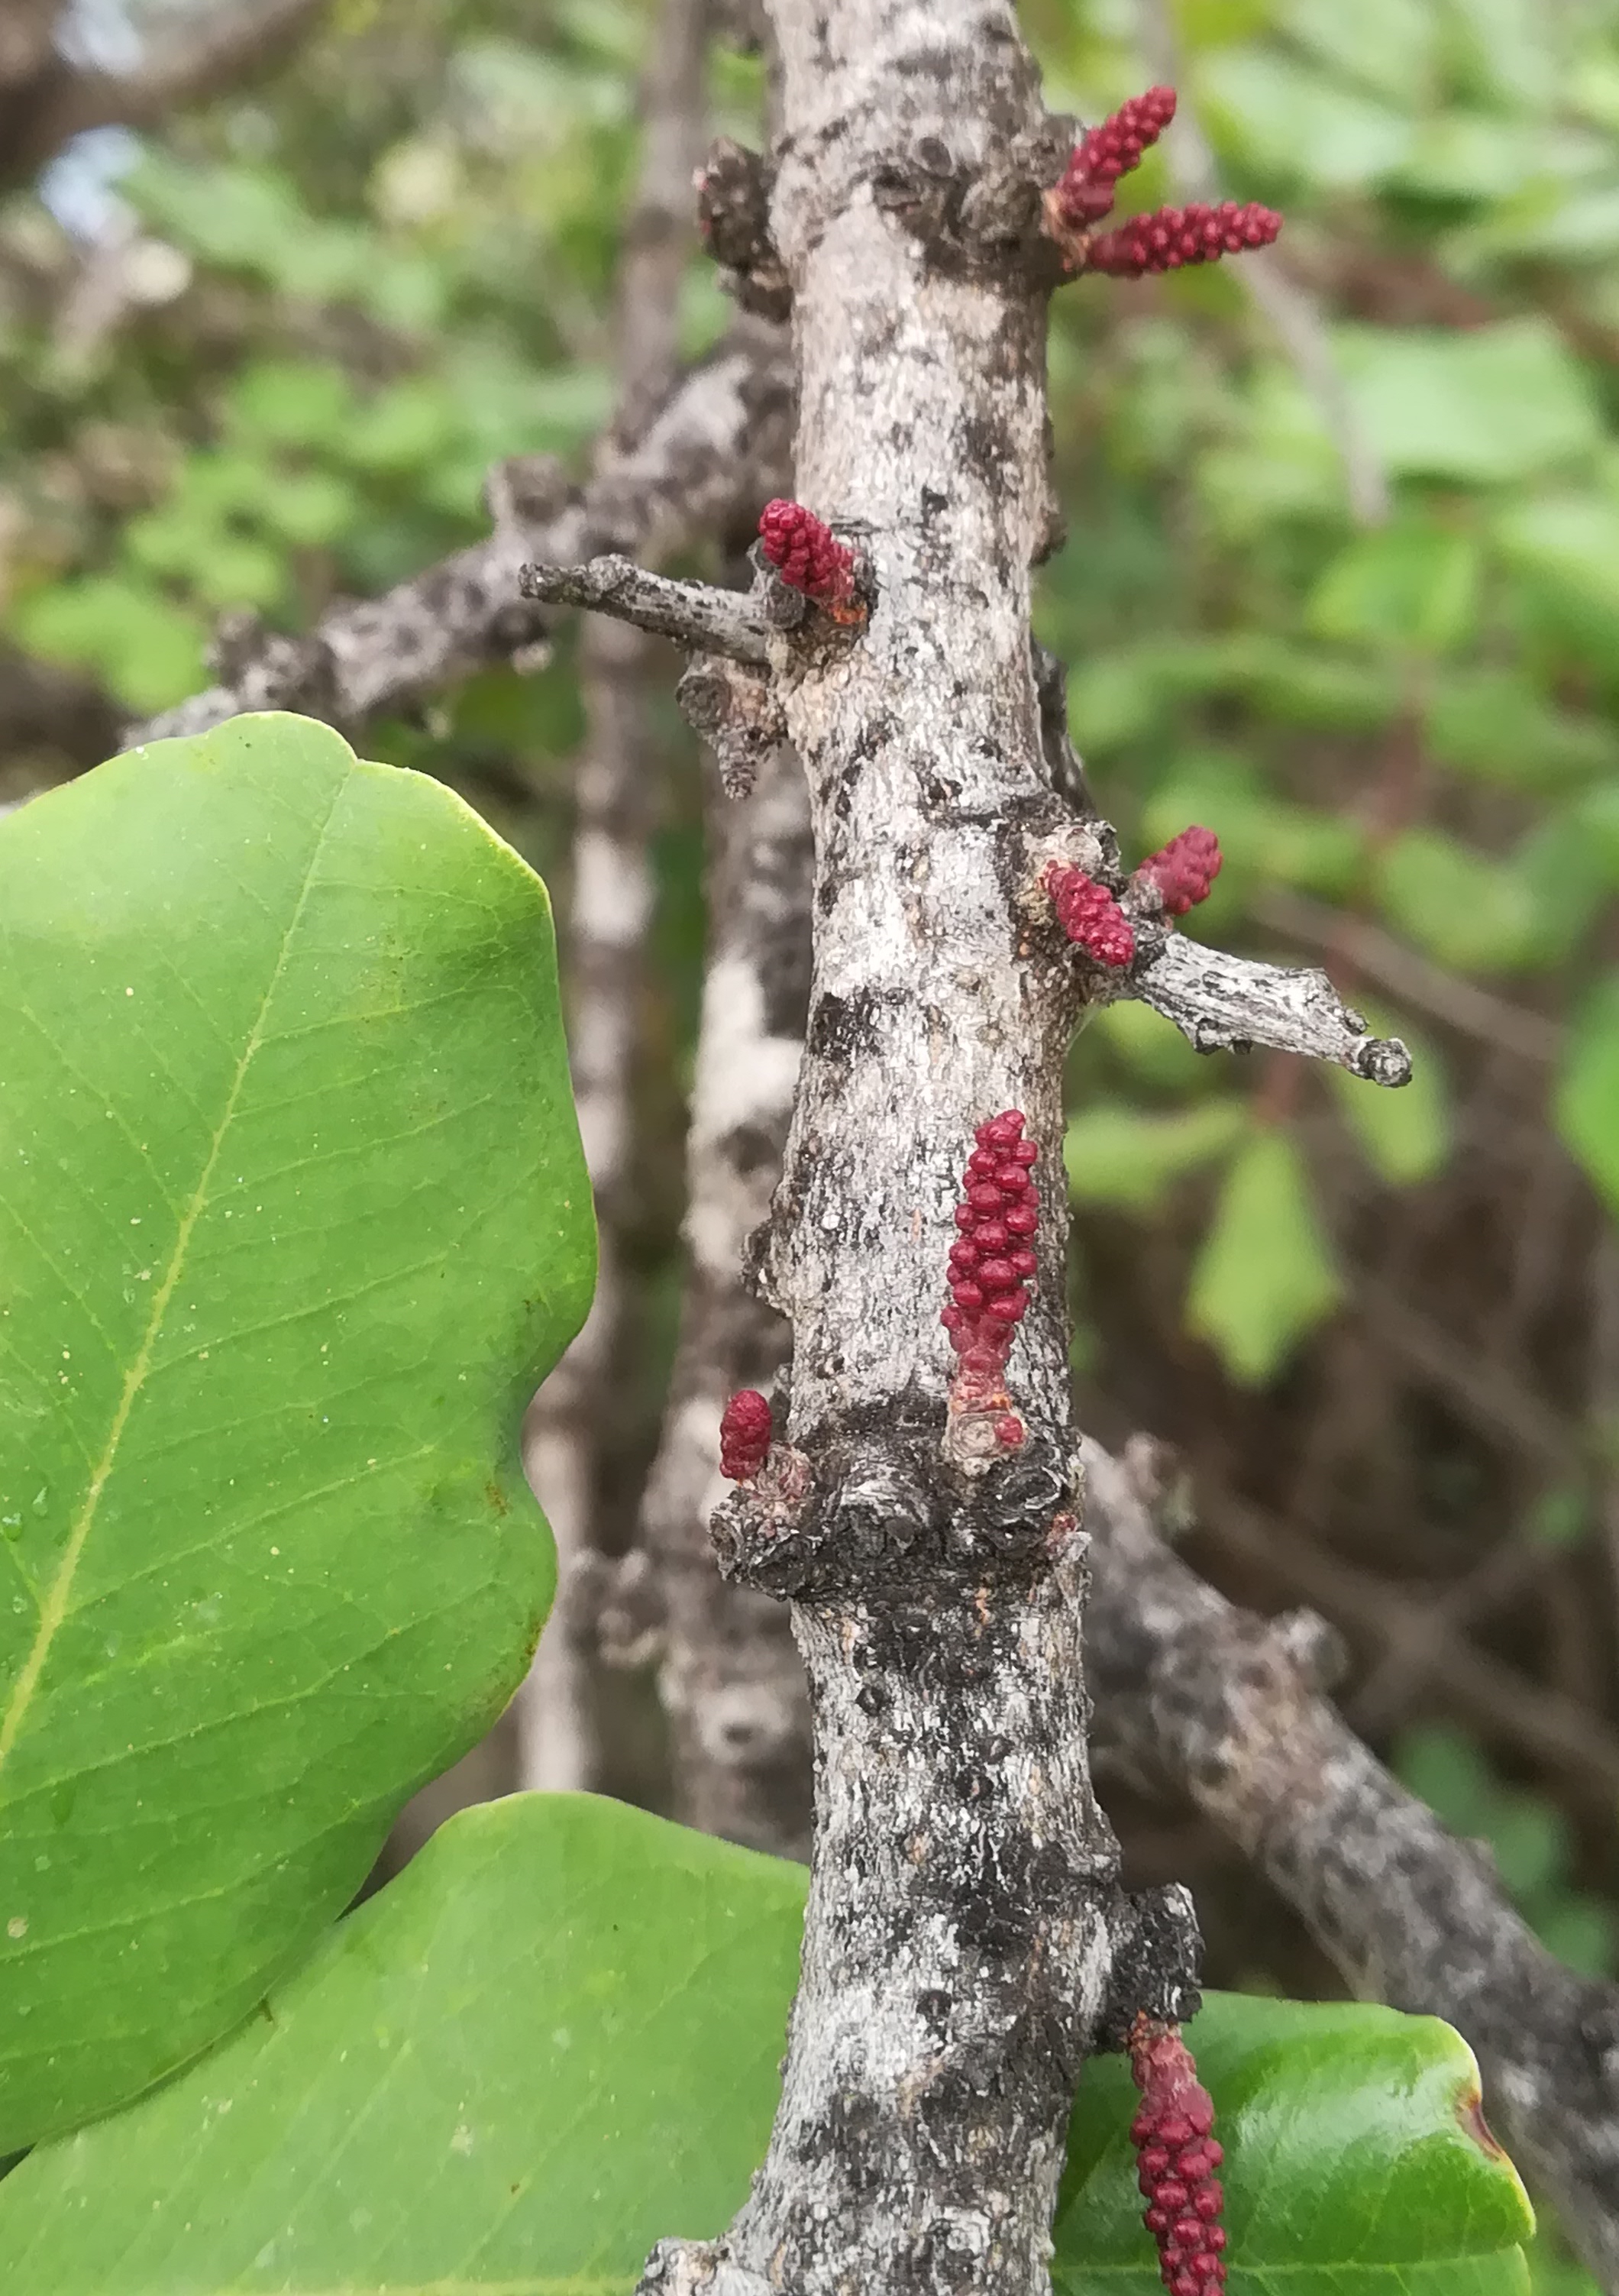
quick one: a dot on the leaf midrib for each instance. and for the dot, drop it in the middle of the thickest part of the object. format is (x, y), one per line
(54, 1609)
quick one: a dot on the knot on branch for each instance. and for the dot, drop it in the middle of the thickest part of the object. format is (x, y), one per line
(1157, 1958)
(970, 218)
(735, 186)
(871, 1501)
(736, 713)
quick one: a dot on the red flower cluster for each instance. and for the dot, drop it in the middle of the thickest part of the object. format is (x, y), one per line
(1170, 237)
(1103, 154)
(1184, 870)
(745, 1431)
(1164, 241)
(806, 553)
(1177, 2160)
(1088, 915)
(992, 1257)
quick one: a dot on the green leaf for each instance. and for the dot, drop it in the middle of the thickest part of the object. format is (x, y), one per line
(1410, 586)
(1281, 116)
(1151, 1047)
(1115, 1155)
(1469, 910)
(1564, 549)
(1265, 1275)
(1492, 723)
(292, 402)
(148, 652)
(553, 2040)
(293, 1219)
(1587, 1105)
(1486, 403)
(1355, 2158)
(1406, 1135)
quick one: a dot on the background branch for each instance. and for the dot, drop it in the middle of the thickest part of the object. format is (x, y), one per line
(48, 97)
(1228, 1708)
(603, 937)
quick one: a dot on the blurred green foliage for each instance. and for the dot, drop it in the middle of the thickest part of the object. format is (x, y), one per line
(1412, 720)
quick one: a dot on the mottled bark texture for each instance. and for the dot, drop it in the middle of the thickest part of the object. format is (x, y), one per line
(693, 469)
(1227, 1709)
(610, 905)
(731, 1678)
(963, 1906)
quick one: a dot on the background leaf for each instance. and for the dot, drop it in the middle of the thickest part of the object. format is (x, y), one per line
(553, 2040)
(1265, 1275)
(1115, 1154)
(293, 1219)
(1588, 1089)
(1406, 1135)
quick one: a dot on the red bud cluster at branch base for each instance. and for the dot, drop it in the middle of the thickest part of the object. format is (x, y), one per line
(806, 553)
(1171, 238)
(1185, 869)
(1088, 915)
(1103, 154)
(1167, 240)
(746, 1427)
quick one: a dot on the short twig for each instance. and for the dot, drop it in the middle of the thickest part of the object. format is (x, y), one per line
(703, 619)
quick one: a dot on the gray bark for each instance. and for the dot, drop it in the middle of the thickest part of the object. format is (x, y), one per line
(963, 1906)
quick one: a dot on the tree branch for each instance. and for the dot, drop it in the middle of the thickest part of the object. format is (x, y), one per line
(695, 615)
(696, 467)
(1227, 1708)
(1222, 1003)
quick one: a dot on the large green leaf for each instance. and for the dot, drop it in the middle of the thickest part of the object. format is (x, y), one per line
(1412, 587)
(1355, 2160)
(293, 1219)
(553, 2040)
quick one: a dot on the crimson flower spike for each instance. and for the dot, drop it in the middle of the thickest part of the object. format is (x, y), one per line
(1177, 2157)
(1171, 238)
(1085, 194)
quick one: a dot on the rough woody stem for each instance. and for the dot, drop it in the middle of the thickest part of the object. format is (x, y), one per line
(1227, 1708)
(1229, 1004)
(731, 1678)
(691, 613)
(609, 909)
(963, 1909)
